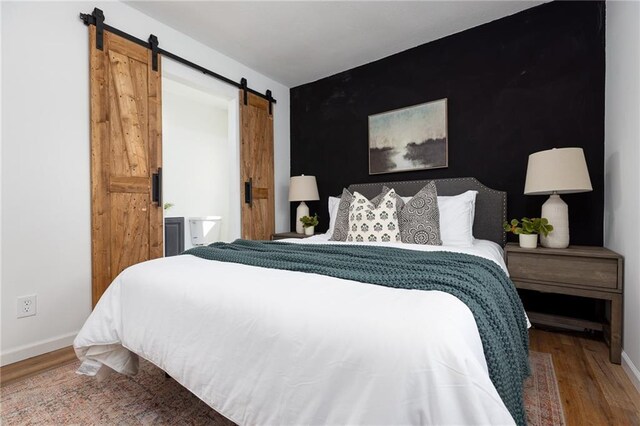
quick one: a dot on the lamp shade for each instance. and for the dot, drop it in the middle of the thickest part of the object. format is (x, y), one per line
(303, 188)
(559, 170)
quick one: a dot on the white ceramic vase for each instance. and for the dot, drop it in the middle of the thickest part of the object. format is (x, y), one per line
(309, 230)
(301, 211)
(557, 213)
(528, 241)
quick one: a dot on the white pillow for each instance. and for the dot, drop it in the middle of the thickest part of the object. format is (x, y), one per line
(457, 213)
(334, 202)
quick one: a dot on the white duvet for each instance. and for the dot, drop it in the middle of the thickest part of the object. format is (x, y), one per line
(271, 347)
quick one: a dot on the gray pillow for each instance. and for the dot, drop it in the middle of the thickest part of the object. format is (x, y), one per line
(419, 219)
(341, 229)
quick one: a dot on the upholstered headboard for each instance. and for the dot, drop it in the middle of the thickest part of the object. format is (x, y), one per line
(491, 205)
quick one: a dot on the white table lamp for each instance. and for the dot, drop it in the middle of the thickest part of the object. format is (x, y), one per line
(557, 171)
(303, 188)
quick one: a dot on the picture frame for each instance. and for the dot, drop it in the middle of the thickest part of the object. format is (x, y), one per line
(409, 138)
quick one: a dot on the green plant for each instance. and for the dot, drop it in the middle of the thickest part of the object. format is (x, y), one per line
(308, 221)
(167, 206)
(527, 226)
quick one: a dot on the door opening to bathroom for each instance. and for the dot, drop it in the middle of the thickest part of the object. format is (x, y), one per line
(198, 165)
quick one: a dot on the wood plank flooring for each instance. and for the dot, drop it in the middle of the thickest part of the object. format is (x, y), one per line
(593, 390)
(37, 364)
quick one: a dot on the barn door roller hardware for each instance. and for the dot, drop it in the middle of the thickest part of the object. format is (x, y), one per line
(97, 18)
(243, 86)
(153, 45)
(271, 101)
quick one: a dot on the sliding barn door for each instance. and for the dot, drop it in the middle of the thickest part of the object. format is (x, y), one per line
(256, 164)
(126, 221)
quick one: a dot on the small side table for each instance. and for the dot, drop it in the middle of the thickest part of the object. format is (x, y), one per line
(585, 271)
(283, 235)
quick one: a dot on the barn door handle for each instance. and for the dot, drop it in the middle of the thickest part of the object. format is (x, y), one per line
(248, 192)
(156, 187)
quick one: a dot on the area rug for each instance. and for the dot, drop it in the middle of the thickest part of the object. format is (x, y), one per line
(541, 394)
(60, 396)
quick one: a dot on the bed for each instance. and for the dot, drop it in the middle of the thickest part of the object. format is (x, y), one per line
(273, 346)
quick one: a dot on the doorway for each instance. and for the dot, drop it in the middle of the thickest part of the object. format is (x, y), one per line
(200, 163)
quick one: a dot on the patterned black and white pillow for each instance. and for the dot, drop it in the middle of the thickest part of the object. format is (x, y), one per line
(341, 229)
(419, 219)
(385, 189)
(371, 223)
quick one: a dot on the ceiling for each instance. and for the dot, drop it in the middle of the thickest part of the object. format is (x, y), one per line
(299, 42)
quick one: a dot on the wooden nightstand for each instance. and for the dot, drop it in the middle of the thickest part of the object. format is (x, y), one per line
(593, 272)
(283, 235)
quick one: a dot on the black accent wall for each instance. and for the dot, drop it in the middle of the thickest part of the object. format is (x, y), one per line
(521, 84)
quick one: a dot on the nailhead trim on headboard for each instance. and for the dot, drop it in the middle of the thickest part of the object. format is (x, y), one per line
(498, 235)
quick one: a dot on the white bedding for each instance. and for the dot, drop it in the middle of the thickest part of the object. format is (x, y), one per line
(265, 346)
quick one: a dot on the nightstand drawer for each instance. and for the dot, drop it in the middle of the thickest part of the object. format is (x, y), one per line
(569, 270)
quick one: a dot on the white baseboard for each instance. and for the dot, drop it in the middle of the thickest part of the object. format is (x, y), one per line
(37, 348)
(631, 370)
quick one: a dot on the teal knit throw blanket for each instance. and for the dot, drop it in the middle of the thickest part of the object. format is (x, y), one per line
(479, 283)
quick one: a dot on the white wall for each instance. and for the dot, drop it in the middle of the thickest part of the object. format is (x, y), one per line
(622, 157)
(0, 170)
(197, 155)
(45, 205)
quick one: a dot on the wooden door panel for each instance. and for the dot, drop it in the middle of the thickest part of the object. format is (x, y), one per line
(129, 112)
(256, 160)
(125, 151)
(129, 229)
(100, 155)
(127, 48)
(154, 123)
(129, 184)
(261, 219)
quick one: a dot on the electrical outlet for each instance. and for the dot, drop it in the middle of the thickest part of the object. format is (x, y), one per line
(27, 306)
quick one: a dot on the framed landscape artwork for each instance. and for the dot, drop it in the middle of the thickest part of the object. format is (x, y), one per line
(411, 138)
